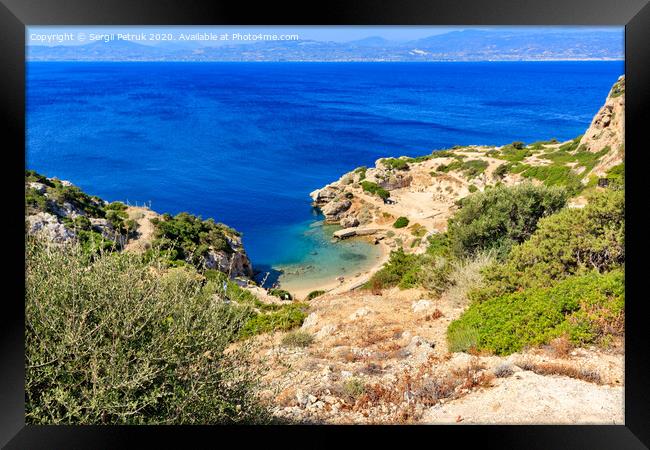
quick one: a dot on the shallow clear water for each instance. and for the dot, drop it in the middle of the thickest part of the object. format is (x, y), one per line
(245, 143)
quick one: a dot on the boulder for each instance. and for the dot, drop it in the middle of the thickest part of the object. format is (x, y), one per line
(421, 305)
(333, 210)
(235, 264)
(48, 225)
(325, 331)
(324, 195)
(349, 222)
(310, 321)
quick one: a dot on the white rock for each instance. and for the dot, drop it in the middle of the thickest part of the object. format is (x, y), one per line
(49, 226)
(39, 187)
(326, 331)
(361, 312)
(346, 374)
(421, 305)
(310, 321)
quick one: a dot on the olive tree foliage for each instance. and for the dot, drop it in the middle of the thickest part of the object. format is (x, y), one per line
(123, 340)
(500, 217)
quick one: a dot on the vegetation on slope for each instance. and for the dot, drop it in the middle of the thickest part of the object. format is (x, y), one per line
(188, 238)
(50, 195)
(567, 279)
(122, 340)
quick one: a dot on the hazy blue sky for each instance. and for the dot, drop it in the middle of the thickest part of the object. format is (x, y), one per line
(318, 33)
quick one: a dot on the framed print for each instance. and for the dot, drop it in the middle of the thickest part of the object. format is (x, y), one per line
(266, 217)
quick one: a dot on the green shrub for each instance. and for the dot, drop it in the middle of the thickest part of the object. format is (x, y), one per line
(442, 154)
(116, 206)
(518, 145)
(501, 170)
(571, 145)
(35, 201)
(187, 237)
(362, 172)
(395, 163)
(566, 243)
(313, 294)
(500, 217)
(297, 339)
(616, 175)
(120, 340)
(418, 230)
(587, 308)
(401, 222)
(281, 294)
(353, 388)
(399, 270)
(512, 153)
(472, 188)
(375, 189)
(288, 317)
(474, 167)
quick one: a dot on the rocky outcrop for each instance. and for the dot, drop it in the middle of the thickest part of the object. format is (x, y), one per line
(325, 195)
(56, 220)
(334, 210)
(349, 222)
(49, 226)
(235, 264)
(607, 130)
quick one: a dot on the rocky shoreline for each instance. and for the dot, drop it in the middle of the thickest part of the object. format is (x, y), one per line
(61, 213)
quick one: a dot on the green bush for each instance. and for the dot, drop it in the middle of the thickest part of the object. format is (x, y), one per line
(566, 243)
(616, 175)
(362, 172)
(472, 188)
(474, 167)
(281, 294)
(313, 294)
(288, 317)
(121, 340)
(571, 145)
(512, 153)
(375, 189)
(395, 163)
(587, 308)
(297, 339)
(35, 201)
(399, 270)
(187, 237)
(443, 154)
(401, 222)
(500, 217)
(501, 171)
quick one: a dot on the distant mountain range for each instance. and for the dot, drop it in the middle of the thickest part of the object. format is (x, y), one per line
(466, 45)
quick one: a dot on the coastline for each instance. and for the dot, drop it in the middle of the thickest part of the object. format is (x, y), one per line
(332, 285)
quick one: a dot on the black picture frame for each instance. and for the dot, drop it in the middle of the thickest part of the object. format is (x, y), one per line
(633, 14)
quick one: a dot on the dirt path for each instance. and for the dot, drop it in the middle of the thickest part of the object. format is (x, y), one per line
(145, 231)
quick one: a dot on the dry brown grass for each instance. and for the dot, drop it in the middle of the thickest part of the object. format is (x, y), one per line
(437, 314)
(561, 346)
(565, 370)
(375, 287)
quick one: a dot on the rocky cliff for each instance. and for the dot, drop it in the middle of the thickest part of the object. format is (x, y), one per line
(607, 130)
(61, 212)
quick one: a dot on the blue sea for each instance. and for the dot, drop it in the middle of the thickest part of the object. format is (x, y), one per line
(245, 143)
